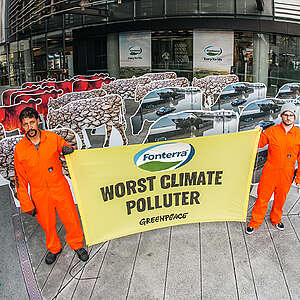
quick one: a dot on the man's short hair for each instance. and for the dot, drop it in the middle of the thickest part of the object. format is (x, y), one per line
(28, 112)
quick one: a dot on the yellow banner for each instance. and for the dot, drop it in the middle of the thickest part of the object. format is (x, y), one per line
(135, 188)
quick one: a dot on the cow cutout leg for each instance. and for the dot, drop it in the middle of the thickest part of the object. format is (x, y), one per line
(121, 130)
(108, 134)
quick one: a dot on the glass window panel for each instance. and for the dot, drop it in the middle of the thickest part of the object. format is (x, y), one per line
(39, 28)
(249, 7)
(216, 6)
(149, 8)
(284, 60)
(69, 62)
(97, 58)
(173, 51)
(55, 55)
(54, 23)
(25, 61)
(14, 64)
(3, 67)
(39, 57)
(243, 56)
(72, 20)
(181, 7)
(121, 11)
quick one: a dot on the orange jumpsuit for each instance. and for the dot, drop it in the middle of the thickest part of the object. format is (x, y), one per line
(278, 172)
(49, 189)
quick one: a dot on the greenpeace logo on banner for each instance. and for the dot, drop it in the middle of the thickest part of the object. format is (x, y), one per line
(134, 51)
(213, 51)
(164, 157)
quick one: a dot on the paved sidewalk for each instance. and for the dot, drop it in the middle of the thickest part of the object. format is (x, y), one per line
(197, 261)
(12, 285)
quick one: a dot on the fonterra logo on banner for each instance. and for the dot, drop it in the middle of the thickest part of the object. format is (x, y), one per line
(164, 157)
(134, 52)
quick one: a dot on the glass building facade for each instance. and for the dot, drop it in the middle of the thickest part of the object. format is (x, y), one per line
(60, 39)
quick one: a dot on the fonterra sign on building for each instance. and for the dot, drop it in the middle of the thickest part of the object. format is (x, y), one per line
(135, 49)
(213, 50)
(213, 53)
(135, 52)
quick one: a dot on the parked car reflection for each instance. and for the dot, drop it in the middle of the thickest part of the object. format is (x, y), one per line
(165, 110)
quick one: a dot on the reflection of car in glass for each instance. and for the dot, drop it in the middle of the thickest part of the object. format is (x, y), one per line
(266, 124)
(269, 106)
(149, 106)
(251, 109)
(167, 94)
(243, 88)
(238, 102)
(279, 101)
(290, 90)
(165, 110)
(160, 139)
(236, 89)
(248, 119)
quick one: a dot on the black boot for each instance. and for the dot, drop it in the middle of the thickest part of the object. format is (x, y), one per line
(82, 254)
(51, 257)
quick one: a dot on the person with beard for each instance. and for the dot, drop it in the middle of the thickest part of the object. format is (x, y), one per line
(283, 142)
(37, 164)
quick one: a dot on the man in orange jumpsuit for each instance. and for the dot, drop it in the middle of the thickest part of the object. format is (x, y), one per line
(37, 164)
(278, 172)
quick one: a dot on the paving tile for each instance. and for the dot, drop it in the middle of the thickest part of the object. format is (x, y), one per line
(91, 271)
(294, 207)
(295, 223)
(218, 281)
(183, 278)
(148, 278)
(72, 277)
(242, 267)
(206, 261)
(117, 269)
(265, 265)
(288, 249)
(58, 274)
(43, 270)
(12, 285)
(37, 247)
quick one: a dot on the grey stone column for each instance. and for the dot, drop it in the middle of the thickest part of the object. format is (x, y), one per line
(261, 50)
(113, 56)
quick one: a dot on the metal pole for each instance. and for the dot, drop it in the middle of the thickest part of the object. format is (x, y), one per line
(64, 46)
(46, 37)
(8, 64)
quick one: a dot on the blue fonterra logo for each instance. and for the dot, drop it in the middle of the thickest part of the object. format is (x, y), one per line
(164, 157)
(135, 50)
(213, 51)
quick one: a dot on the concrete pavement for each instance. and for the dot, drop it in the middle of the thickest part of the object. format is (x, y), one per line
(196, 261)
